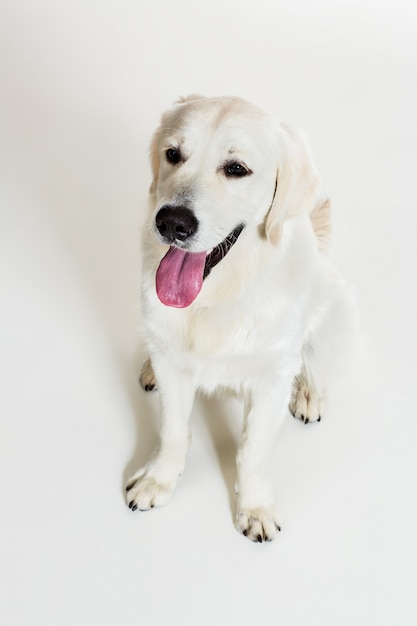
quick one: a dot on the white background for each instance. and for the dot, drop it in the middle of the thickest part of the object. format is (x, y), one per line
(82, 86)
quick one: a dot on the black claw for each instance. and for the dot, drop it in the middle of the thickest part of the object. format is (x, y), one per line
(149, 387)
(306, 420)
(319, 418)
(279, 529)
(129, 487)
(245, 532)
(133, 506)
(259, 538)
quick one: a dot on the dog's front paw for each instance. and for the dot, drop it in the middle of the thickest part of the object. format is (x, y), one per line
(258, 524)
(145, 490)
(306, 404)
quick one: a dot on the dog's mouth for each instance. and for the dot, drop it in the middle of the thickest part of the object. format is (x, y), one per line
(180, 274)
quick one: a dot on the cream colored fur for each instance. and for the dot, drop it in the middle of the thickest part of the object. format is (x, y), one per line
(273, 320)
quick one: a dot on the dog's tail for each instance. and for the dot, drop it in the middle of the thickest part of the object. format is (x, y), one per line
(321, 221)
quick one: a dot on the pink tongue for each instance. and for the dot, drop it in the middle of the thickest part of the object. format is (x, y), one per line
(179, 277)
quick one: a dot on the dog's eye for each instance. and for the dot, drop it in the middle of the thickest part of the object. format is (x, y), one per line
(173, 155)
(236, 170)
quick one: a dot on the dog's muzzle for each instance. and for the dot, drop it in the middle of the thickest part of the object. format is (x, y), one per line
(180, 274)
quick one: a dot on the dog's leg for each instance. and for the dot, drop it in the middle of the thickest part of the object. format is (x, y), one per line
(327, 354)
(265, 409)
(153, 484)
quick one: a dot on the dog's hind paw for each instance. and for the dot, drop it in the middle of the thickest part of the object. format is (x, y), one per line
(258, 524)
(147, 377)
(306, 404)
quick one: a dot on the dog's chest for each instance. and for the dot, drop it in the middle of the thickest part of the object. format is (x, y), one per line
(219, 333)
(227, 346)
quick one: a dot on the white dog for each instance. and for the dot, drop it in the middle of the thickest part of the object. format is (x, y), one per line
(236, 290)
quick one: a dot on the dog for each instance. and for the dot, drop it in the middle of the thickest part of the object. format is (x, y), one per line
(237, 291)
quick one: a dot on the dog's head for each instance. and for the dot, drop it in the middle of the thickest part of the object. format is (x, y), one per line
(221, 165)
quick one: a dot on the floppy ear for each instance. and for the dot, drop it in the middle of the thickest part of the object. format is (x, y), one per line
(154, 157)
(297, 185)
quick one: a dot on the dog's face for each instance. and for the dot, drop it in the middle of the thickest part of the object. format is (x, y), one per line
(220, 165)
(216, 158)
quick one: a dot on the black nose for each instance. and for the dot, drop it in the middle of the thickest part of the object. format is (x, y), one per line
(176, 223)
